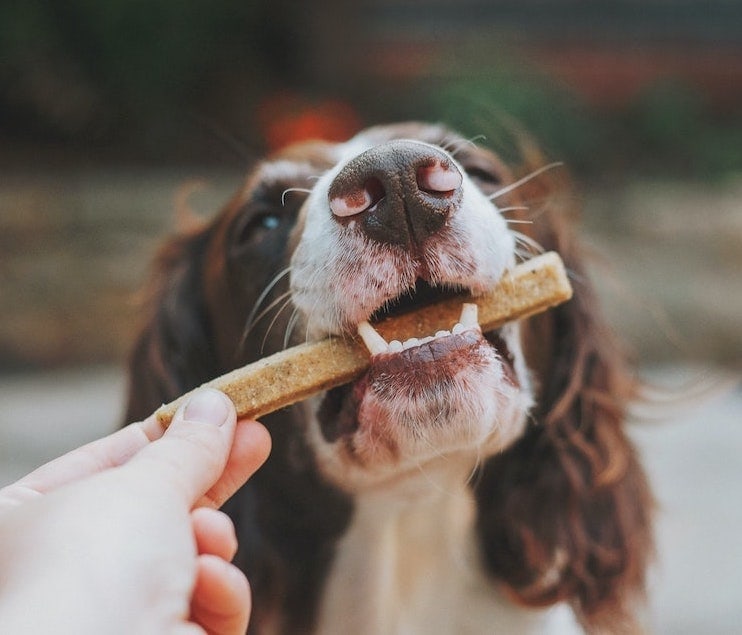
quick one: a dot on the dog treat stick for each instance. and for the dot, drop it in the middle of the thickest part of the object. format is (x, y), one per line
(299, 372)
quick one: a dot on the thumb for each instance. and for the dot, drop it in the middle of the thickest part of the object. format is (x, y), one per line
(193, 452)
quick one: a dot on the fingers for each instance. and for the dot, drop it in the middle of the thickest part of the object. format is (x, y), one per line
(111, 451)
(220, 602)
(221, 598)
(193, 452)
(250, 449)
(214, 533)
(196, 452)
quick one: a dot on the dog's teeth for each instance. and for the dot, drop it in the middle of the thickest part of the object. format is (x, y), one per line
(374, 342)
(395, 346)
(413, 341)
(469, 315)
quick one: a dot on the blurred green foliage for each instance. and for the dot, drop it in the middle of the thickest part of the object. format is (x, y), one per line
(507, 104)
(120, 72)
(114, 58)
(673, 123)
(668, 129)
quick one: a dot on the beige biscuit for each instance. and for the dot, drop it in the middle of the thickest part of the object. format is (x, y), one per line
(299, 372)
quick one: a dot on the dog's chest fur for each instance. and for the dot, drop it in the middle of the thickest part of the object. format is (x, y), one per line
(409, 563)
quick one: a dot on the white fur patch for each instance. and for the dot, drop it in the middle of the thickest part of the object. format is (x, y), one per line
(409, 561)
(408, 564)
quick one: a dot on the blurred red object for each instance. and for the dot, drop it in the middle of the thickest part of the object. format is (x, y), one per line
(287, 118)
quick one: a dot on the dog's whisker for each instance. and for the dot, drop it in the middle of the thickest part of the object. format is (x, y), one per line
(333, 321)
(533, 246)
(293, 320)
(454, 146)
(287, 302)
(269, 308)
(513, 208)
(251, 318)
(476, 472)
(509, 188)
(575, 277)
(288, 190)
(450, 142)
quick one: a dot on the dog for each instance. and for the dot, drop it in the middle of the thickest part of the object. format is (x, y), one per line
(468, 482)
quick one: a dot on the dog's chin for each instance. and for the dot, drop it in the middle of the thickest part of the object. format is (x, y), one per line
(458, 395)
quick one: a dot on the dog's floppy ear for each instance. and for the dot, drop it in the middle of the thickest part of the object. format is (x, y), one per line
(564, 514)
(174, 351)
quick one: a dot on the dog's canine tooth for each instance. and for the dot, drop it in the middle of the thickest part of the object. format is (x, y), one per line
(374, 342)
(469, 315)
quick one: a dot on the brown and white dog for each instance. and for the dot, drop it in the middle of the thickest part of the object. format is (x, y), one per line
(467, 483)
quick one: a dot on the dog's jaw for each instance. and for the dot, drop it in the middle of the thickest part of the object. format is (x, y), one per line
(401, 418)
(461, 395)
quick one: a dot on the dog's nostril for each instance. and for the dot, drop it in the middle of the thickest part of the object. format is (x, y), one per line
(401, 192)
(351, 203)
(438, 177)
(358, 200)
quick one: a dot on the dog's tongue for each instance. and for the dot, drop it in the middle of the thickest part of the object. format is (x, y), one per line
(377, 345)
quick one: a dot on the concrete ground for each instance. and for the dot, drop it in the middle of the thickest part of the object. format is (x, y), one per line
(690, 440)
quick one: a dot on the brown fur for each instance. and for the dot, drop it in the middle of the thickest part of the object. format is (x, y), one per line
(571, 494)
(564, 514)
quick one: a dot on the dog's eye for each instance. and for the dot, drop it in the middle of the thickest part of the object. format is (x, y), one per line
(258, 227)
(483, 176)
(268, 221)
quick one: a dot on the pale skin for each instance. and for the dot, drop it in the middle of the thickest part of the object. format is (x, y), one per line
(123, 535)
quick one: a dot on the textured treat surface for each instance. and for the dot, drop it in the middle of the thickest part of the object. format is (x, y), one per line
(299, 372)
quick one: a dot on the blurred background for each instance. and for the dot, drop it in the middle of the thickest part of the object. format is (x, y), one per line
(113, 111)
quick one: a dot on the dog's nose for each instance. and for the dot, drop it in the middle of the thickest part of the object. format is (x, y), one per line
(401, 192)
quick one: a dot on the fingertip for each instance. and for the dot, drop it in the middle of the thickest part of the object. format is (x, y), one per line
(151, 427)
(208, 406)
(221, 600)
(250, 449)
(256, 435)
(194, 450)
(214, 532)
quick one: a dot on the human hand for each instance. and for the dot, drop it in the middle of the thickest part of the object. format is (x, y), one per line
(123, 535)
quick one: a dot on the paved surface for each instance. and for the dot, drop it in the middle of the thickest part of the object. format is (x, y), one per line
(692, 450)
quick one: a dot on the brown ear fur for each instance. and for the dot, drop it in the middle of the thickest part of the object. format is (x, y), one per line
(564, 515)
(174, 351)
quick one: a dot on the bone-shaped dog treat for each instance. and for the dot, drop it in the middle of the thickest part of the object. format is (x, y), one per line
(299, 372)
